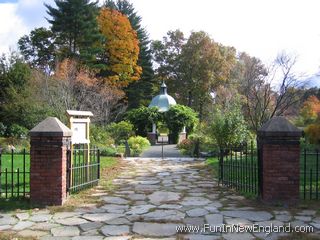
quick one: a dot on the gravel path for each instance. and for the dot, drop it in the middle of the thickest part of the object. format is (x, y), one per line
(169, 151)
(152, 199)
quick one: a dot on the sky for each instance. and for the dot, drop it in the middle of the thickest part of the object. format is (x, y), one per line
(262, 28)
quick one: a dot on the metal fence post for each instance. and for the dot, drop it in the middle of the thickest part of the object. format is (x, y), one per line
(162, 147)
(221, 166)
(0, 173)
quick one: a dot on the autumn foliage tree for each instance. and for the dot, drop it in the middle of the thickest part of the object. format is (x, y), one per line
(310, 114)
(139, 92)
(311, 109)
(77, 87)
(121, 49)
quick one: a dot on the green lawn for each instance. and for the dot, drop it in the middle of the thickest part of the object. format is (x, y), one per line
(17, 161)
(239, 172)
(107, 162)
(214, 163)
(9, 177)
(108, 166)
(15, 175)
(310, 175)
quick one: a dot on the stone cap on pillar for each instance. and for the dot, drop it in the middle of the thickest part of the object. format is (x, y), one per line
(51, 126)
(279, 127)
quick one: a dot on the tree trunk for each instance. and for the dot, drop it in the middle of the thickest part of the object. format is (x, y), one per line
(189, 99)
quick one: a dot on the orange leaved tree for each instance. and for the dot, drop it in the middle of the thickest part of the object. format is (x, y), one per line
(310, 113)
(121, 49)
(310, 109)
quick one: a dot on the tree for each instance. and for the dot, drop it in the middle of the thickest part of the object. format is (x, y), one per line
(76, 87)
(139, 92)
(263, 99)
(120, 51)
(247, 72)
(38, 49)
(311, 92)
(228, 127)
(167, 54)
(75, 28)
(310, 110)
(313, 133)
(206, 65)
(193, 68)
(18, 95)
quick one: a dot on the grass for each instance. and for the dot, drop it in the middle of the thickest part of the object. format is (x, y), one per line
(110, 167)
(9, 177)
(245, 172)
(310, 175)
(107, 162)
(241, 178)
(214, 163)
(14, 236)
(13, 167)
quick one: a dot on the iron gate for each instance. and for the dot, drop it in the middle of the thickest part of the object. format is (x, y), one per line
(83, 168)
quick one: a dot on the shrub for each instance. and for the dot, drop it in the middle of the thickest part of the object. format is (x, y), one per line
(120, 131)
(313, 133)
(17, 131)
(6, 144)
(3, 129)
(228, 128)
(138, 144)
(99, 136)
(186, 146)
(108, 151)
(304, 144)
(121, 149)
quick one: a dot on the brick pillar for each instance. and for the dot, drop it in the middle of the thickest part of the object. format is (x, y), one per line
(49, 142)
(279, 161)
(152, 137)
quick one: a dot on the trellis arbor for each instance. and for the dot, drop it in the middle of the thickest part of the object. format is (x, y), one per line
(163, 109)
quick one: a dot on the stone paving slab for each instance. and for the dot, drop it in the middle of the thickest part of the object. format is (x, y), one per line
(152, 198)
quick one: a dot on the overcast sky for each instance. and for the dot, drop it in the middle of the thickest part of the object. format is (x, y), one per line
(261, 28)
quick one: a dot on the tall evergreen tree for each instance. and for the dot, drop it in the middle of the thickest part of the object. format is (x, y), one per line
(75, 27)
(38, 49)
(140, 92)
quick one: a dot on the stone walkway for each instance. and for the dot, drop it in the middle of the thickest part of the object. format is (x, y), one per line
(152, 199)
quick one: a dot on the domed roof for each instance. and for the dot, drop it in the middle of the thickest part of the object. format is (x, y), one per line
(163, 101)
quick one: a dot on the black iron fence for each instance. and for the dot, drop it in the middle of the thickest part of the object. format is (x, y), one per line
(14, 174)
(309, 174)
(83, 169)
(238, 168)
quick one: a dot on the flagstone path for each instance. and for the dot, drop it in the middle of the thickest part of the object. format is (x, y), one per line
(152, 199)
